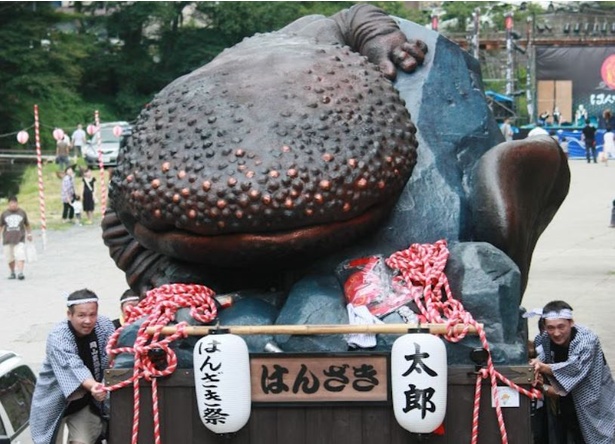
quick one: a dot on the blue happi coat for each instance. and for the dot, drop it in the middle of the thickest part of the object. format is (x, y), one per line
(587, 376)
(61, 376)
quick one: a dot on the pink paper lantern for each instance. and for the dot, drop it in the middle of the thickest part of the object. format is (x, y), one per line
(117, 131)
(22, 137)
(91, 129)
(58, 134)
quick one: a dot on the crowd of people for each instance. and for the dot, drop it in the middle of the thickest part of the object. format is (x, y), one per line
(76, 142)
(73, 203)
(80, 198)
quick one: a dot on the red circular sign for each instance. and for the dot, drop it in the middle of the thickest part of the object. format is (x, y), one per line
(608, 71)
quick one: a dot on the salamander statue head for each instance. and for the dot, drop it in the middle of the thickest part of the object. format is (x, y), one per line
(280, 146)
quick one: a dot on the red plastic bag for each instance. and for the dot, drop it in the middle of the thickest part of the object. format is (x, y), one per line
(368, 281)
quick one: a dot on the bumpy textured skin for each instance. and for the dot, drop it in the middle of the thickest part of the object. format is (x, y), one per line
(284, 145)
(330, 141)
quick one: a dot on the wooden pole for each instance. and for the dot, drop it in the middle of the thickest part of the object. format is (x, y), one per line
(336, 329)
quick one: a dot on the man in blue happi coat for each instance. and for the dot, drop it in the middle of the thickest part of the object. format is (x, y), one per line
(69, 390)
(577, 377)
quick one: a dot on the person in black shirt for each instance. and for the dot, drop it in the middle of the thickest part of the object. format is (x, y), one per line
(589, 135)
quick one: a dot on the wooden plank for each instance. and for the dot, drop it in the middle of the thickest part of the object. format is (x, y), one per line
(458, 420)
(318, 422)
(120, 416)
(146, 418)
(175, 406)
(464, 375)
(563, 99)
(262, 426)
(375, 424)
(345, 427)
(545, 96)
(291, 425)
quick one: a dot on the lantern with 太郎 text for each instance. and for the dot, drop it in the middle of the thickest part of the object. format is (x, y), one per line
(58, 134)
(22, 137)
(419, 381)
(222, 382)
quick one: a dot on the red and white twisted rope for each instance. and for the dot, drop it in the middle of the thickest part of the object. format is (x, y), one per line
(101, 165)
(159, 308)
(41, 187)
(482, 373)
(422, 265)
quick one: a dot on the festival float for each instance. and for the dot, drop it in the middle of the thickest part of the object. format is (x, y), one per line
(331, 241)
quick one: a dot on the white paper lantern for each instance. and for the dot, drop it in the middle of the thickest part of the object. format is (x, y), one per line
(222, 382)
(91, 129)
(419, 375)
(117, 131)
(22, 137)
(58, 134)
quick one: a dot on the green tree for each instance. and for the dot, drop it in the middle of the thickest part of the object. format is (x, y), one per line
(39, 65)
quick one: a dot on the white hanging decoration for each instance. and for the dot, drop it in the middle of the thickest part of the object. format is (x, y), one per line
(22, 137)
(91, 129)
(222, 382)
(58, 134)
(419, 376)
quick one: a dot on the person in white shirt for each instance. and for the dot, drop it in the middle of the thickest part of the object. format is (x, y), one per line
(507, 130)
(78, 140)
(608, 149)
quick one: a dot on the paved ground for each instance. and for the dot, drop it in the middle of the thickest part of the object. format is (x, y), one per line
(574, 261)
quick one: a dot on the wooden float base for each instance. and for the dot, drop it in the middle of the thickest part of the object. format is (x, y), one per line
(316, 423)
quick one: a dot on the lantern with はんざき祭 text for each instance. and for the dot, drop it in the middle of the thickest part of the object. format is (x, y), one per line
(222, 382)
(419, 381)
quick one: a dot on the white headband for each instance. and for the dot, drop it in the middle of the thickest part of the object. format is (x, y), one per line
(532, 313)
(80, 301)
(130, 298)
(564, 313)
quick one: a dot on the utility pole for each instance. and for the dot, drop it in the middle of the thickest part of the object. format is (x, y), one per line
(510, 84)
(529, 50)
(475, 34)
